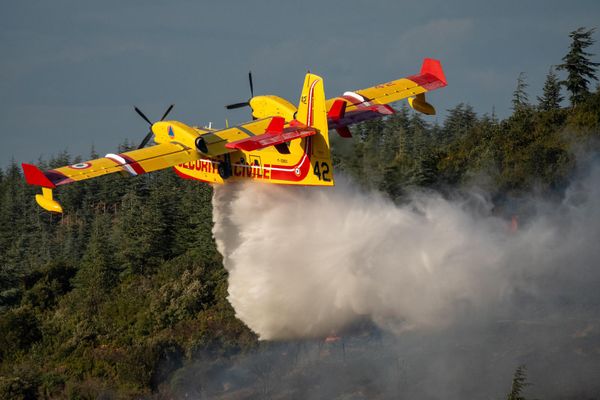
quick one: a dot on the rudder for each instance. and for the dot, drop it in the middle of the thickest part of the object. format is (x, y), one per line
(312, 111)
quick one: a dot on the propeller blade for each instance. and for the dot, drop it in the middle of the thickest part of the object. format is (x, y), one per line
(141, 114)
(251, 84)
(237, 105)
(146, 140)
(167, 112)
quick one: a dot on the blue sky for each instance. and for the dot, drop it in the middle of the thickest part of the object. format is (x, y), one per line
(71, 71)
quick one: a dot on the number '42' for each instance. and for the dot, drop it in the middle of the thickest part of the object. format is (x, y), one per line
(321, 170)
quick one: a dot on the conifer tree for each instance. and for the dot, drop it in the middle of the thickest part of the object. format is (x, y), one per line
(138, 233)
(551, 96)
(393, 136)
(577, 64)
(419, 129)
(519, 383)
(99, 272)
(460, 120)
(520, 98)
(400, 121)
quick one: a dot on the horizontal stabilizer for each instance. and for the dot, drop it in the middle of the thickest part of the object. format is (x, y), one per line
(274, 135)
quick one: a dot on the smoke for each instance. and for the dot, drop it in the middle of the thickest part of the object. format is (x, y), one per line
(308, 262)
(438, 297)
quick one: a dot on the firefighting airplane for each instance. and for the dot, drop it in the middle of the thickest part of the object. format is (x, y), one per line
(282, 144)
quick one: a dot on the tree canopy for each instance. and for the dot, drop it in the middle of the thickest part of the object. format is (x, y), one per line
(577, 64)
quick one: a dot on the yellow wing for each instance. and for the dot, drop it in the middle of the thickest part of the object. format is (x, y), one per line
(134, 162)
(430, 78)
(365, 104)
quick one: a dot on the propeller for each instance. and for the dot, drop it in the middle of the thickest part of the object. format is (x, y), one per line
(245, 103)
(150, 133)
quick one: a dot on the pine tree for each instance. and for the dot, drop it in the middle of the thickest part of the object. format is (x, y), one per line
(460, 120)
(551, 96)
(519, 383)
(419, 128)
(99, 272)
(393, 136)
(579, 67)
(193, 226)
(138, 232)
(520, 99)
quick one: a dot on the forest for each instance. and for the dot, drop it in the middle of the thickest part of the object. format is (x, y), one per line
(121, 294)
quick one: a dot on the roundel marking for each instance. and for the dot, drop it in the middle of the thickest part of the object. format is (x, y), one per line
(82, 165)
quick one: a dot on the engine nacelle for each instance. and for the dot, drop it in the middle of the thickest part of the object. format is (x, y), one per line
(272, 106)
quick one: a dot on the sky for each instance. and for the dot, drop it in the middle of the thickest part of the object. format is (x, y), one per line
(72, 71)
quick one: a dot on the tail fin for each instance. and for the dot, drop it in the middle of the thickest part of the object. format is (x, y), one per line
(312, 111)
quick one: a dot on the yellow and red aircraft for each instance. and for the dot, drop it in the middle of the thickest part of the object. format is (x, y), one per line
(283, 144)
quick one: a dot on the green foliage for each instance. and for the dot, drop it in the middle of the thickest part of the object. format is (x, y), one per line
(519, 383)
(19, 329)
(98, 272)
(520, 98)
(110, 296)
(577, 64)
(45, 286)
(551, 97)
(19, 388)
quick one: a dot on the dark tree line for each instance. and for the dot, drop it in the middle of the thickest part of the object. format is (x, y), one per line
(115, 292)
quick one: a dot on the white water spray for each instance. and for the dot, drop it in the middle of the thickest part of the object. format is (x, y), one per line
(306, 262)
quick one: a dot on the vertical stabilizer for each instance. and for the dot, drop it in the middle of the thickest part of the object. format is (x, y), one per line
(312, 111)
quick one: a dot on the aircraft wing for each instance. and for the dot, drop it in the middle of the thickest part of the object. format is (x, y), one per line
(253, 135)
(135, 162)
(361, 105)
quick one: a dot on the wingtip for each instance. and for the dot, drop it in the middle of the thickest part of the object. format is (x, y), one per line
(34, 176)
(434, 67)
